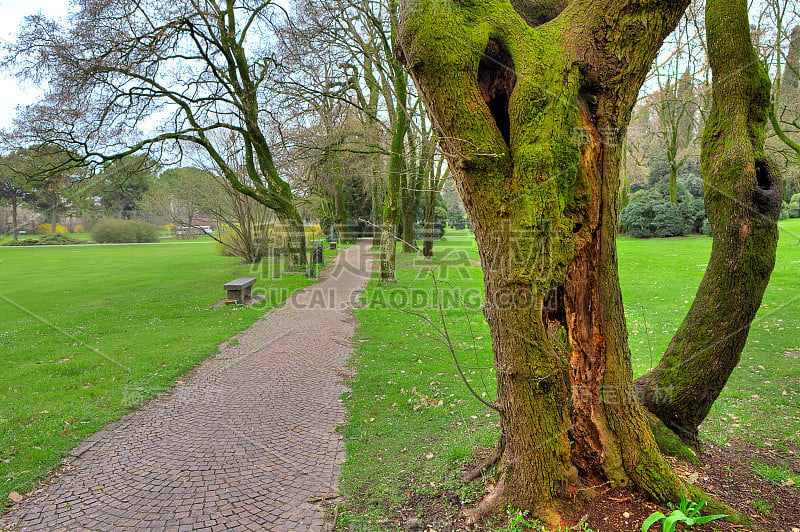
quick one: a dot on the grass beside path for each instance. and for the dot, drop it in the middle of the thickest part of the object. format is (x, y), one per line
(413, 425)
(89, 333)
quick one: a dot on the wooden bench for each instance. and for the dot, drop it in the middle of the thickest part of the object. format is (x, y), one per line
(240, 290)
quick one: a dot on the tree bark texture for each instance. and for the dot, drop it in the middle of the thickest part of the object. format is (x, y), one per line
(533, 120)
(743, 193)
(377, 207)
(391, 203)
(54, 216)
(410, 206)
(431, 179)
(430, 220)
(14, 218)
(341, 213)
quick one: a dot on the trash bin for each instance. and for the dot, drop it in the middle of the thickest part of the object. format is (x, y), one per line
(317, 255)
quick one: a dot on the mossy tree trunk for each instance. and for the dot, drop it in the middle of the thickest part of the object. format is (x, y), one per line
(673, 182)
(391, 202)
(533, 110)
(295, 235)
(743, 193)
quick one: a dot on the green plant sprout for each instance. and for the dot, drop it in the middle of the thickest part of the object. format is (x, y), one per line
(687, 512)
(517, 522)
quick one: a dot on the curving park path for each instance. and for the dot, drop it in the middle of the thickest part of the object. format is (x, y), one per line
(248, 442)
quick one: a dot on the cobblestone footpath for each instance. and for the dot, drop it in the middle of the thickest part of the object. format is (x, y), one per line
(247, 443)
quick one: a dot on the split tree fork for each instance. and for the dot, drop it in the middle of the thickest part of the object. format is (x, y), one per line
(533, 100)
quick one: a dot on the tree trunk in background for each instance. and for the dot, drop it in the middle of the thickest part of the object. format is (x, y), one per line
(295, 239)
(54, 217)
(341, 214)
(430, 221)
(536, 160)
(410, 205)
(435, 176)
(743, 193)
(375, 166)
(377, 209)
(412, 190)
(14, 218)
(391, 203)
(673, 182)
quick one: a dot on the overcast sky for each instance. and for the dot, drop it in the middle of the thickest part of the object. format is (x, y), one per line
(11, 15)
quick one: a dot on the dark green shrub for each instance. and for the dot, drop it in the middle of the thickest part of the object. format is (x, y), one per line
(643, 222)
(636, 219)
(113, 231)
(794, 206)
(25, 242)
(457, 220)
(646, 194)
(670, 219)
(689, 177)
(706, 228)
(654, 218)
(52, 239)
(696, 225)
(58, 239)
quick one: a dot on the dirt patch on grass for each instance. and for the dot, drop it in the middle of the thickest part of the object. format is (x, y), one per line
(731, 477)
(724, 472)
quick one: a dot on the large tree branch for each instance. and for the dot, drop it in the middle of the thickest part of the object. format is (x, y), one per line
(743, 193)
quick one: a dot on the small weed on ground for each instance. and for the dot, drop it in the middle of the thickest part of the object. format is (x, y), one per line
(777, 474)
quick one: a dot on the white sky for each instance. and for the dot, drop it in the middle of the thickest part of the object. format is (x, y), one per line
(11, 15)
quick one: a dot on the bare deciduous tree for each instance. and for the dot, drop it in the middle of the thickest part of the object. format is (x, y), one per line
(152, 75)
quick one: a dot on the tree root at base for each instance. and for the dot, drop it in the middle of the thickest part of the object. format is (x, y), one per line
(498, 496)
(488, 504)
(487, 463)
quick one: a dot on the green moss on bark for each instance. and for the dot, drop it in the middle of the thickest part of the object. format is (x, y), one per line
(543, 196)
(743, 194)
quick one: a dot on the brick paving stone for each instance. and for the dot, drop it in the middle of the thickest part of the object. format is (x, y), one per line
(243, 445)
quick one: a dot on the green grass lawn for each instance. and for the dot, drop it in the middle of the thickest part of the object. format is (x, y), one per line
(88, 333)
(412, 421)
(760, 402)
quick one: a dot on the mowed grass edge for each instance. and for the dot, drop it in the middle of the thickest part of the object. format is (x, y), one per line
(89, 333)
